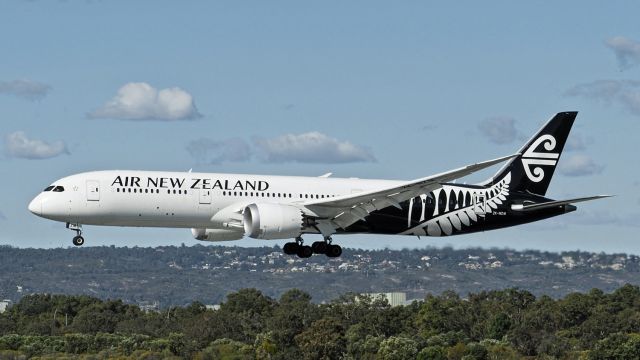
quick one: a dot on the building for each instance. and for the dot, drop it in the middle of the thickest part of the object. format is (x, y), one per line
(393, 298)
(148, 306)
(4, 304)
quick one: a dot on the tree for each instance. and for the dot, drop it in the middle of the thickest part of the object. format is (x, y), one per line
(290, 317)
(360, 343)
(397, 348)
(249, 309)
(444, 313)
(617, 346)
(324, 339)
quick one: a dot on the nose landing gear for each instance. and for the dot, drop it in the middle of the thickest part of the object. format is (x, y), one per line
(78, 240)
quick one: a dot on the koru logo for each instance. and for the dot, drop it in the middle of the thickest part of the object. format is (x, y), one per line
(531, 157)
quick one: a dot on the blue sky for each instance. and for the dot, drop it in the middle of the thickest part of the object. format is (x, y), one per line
(394, 90)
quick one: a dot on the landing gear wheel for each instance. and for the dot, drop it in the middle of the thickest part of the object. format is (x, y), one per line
(319, 247)
(334, 251)
(305, 251)
(290, 248)
(78, 240)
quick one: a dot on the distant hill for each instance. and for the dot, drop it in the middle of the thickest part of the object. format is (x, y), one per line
(179, 275)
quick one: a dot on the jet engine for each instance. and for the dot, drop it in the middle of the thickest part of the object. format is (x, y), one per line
(272, 221)
(216, 234)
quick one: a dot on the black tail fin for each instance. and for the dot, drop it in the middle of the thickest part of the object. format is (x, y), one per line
(533, 169)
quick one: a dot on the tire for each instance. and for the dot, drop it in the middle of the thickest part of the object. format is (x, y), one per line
(78, 240)
(305, 251)
(290, 248)
(319, 247)
(334, 251)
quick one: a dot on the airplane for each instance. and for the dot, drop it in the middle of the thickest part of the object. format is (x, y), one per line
(226, 207)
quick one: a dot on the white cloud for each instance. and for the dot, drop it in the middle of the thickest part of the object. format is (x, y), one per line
(18, 145)
(499, 130)
(627, 51)
(311, 147)
(141, 101)
(579, 165)
(209, 151)
(26, 89)
(625, 93)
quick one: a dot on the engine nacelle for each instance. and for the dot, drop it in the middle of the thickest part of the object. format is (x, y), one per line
(216, 234)
(272, 221)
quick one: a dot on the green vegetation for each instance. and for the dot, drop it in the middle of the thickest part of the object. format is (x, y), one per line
(505, 324)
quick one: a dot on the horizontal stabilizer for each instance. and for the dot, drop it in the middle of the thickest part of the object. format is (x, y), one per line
(550, 204)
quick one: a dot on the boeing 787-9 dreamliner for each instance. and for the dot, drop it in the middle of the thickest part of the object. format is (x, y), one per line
(223, 207)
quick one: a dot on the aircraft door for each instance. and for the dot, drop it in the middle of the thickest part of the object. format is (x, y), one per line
(205, 196)
(93, 190)
(480, 204)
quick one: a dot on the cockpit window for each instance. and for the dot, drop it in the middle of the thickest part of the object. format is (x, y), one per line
(49, 188)
(58, 189)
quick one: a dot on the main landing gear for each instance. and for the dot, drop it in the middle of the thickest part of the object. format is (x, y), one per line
(318, 247)
(78, 240)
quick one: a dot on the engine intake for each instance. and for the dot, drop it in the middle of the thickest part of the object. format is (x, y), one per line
(216, 234)
(272, 221)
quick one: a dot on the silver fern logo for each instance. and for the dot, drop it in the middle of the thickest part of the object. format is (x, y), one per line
(476, 204)
(531, 159)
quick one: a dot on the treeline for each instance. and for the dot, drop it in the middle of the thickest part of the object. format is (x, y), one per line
(505, 324)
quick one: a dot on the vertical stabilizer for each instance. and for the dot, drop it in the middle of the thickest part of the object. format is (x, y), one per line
(533, 169)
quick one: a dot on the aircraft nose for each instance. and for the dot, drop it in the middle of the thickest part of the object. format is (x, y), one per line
(35, 206)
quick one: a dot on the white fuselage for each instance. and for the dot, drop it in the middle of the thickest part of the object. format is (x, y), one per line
(178, 199)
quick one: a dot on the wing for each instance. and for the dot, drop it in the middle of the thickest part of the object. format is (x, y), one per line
(342, 211)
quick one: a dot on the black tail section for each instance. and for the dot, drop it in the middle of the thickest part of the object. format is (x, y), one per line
(533, 169)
